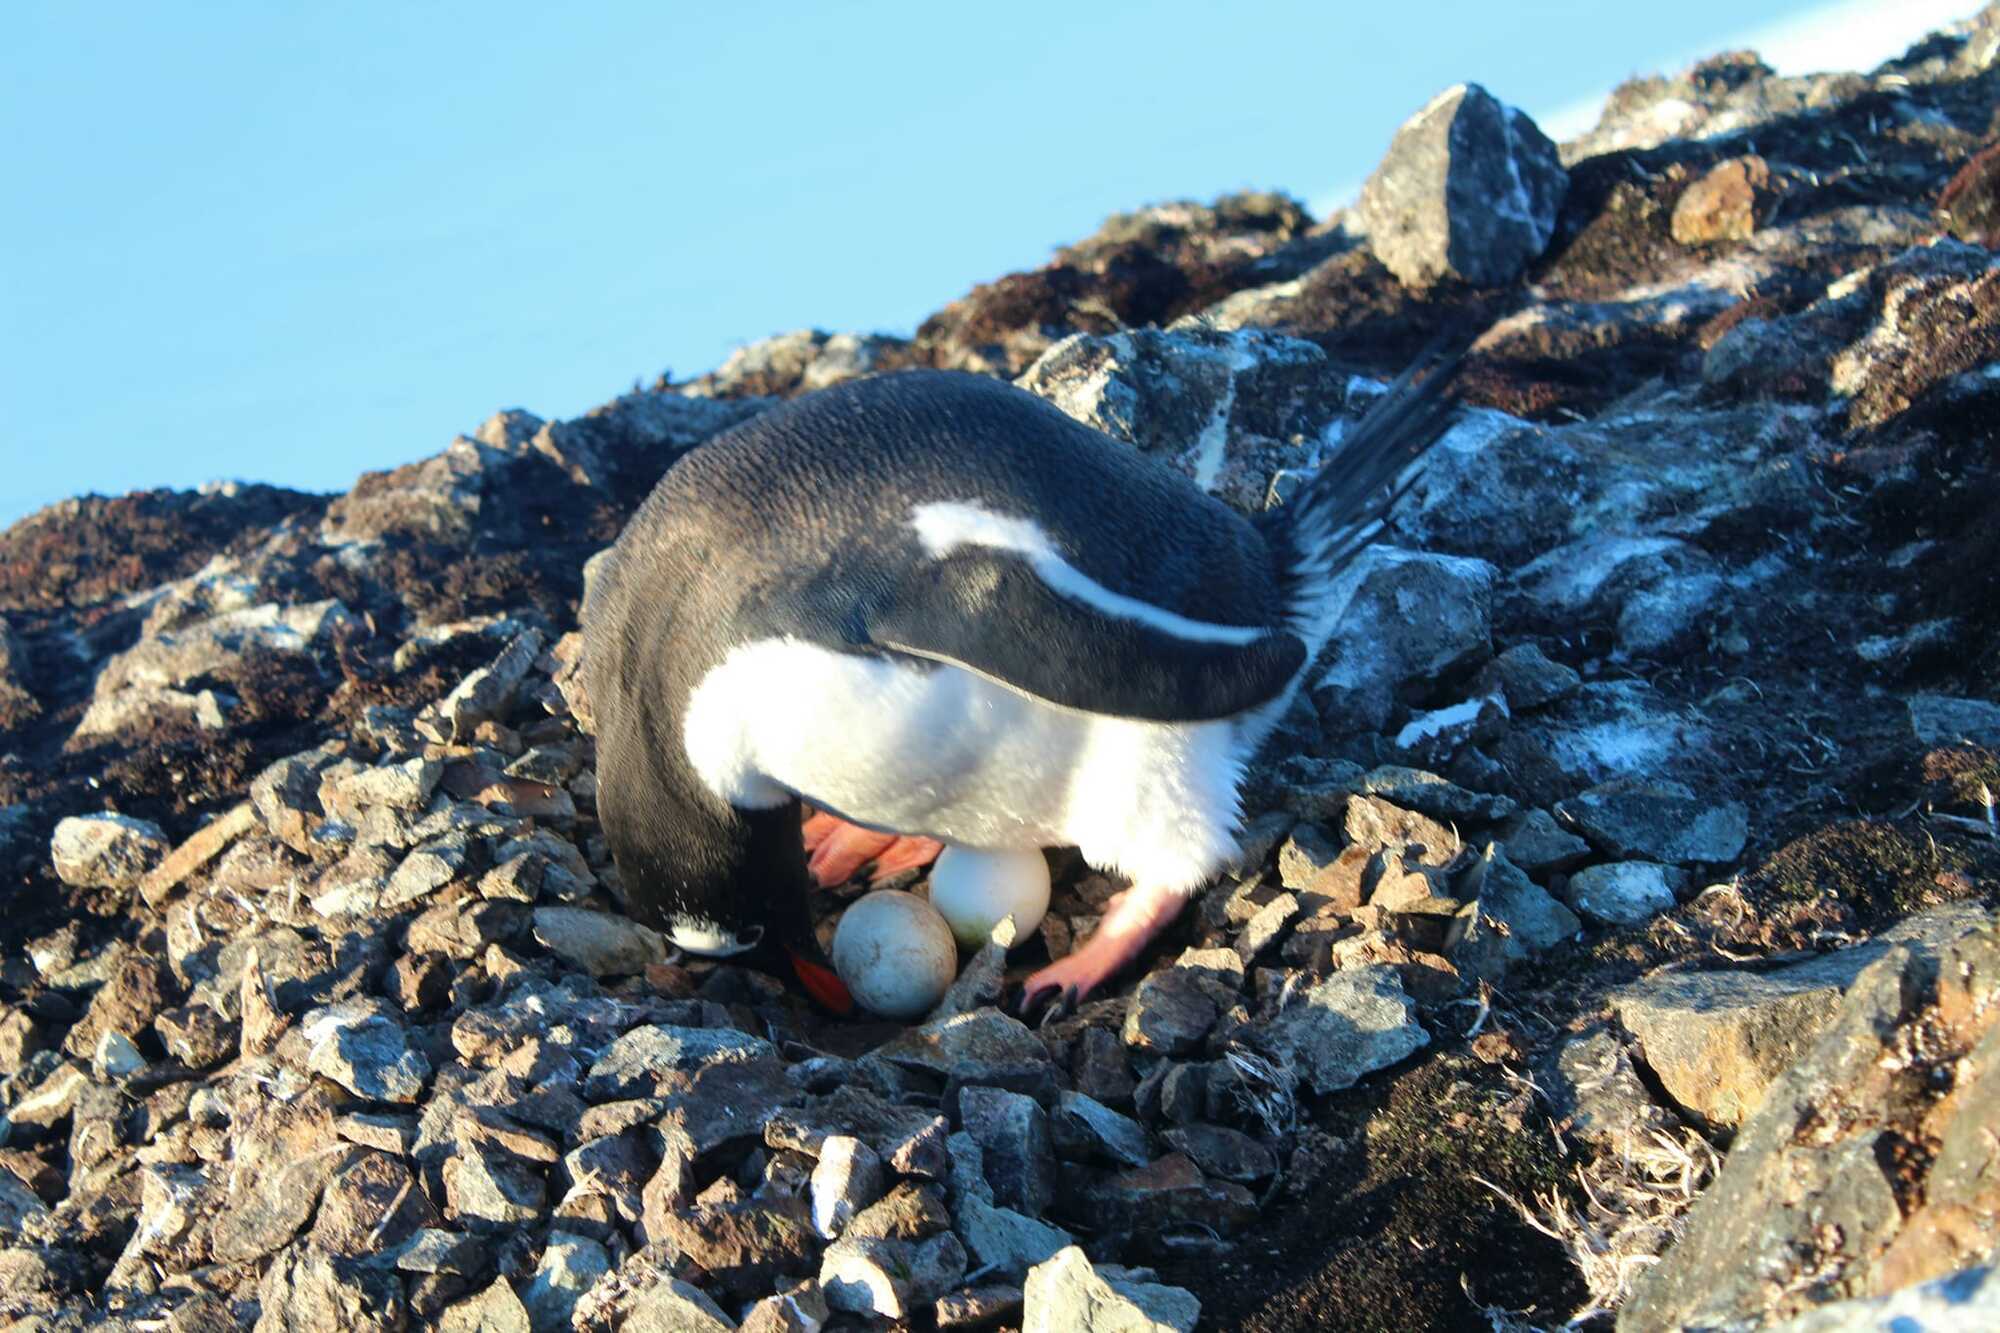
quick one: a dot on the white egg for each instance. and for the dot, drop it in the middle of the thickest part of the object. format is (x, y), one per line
(895, 953)
(974, 891)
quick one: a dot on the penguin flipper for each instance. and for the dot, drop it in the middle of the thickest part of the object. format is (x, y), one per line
(989, 612)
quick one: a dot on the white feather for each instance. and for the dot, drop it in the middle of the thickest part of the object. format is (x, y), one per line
(938, 751)
(943, 526)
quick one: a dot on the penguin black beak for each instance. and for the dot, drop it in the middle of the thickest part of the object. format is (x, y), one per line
(821, 983)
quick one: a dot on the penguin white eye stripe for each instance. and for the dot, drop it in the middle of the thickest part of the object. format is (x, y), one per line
(943, 526)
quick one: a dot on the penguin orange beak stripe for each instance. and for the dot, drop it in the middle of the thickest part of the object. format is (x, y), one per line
(822, 984)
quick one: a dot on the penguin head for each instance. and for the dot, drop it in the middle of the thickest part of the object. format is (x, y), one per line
(722, 885)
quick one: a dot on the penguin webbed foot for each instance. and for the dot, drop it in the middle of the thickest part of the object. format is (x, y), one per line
(836, 849)
(1136, 917)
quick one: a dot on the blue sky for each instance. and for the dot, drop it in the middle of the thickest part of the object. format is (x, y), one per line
(288, 243)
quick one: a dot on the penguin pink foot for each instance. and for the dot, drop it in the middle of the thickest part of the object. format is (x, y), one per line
(1136, 916)
(835, 849)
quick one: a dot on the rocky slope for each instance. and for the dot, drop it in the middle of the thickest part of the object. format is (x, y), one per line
(1615, 930)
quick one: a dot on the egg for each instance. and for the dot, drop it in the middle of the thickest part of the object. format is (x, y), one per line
(975, 890)
(895, 953)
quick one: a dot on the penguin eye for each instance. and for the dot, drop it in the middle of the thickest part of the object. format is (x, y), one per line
(751, 938)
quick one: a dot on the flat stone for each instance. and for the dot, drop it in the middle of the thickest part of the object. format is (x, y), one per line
(106, 851)
(1170, 1014)
(909, 1140)
(434, 1250)
(1409, 618)
(1085, 1129)
(305, 1290)
(1527, 679)
(634, 1065)
(1066, 1295)
(981, 1306)
(494, 1310)
(1346, 1027)
(982, 1038)
(1538, 845)
(908, 1212)
(490, 1190)
(1598, 1097)
(203, 846)
(1625, 893)
(1169, 1192)
(674, 1306)
(1224, 1153)
(742, 1246)
(1428, 794)
(360, 1045)
(1939, 719)
(488, 693)
(1638, 819)
(1377, 825)
(1263, 931)
(1716, 1040)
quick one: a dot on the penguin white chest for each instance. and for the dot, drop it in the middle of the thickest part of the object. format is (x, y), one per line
(923, 748)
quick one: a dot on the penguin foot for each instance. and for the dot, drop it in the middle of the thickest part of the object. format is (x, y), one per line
(835, 849)
(1136, 916)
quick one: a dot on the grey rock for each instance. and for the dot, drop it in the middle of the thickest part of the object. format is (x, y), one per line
(1404, 617)
(1067, 1295)
(1939, 719)
(1223, 1153)
(363, 1046)
(890, 1279)
(1263, 930)
(999, 1239)
(598, 942)
(846, 1179)
(489, 693)
(908, 1139)
(491, 1190)
(674, 1306)
(1170, 1013)
(1376, 825)
(1012, 1132)
(1346, 1027)
(1512, 920)
(1469, 188)
(1528, 679)
(567, 1269)
(1538, 845)
(1625, 893)
(1085, 1129)
(495, 1310)
(1636, 819)
(982, 1038)
(1428, 794)
(106, 851)
(742, 1246)
(1227, 409)
(1306, 856)
(1806, 1209)
(981, 1306)
(634, 1065)
(1716, 1040)
(435, 1250)
(305, 1291)
(426, 870)
(404, 785)
(1597, 1095)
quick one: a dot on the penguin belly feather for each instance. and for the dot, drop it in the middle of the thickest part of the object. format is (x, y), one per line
(933, 749)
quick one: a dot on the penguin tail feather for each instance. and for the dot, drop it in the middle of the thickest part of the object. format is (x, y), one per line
(1344, 505)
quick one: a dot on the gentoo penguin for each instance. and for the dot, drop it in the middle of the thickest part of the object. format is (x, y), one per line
(931, 604)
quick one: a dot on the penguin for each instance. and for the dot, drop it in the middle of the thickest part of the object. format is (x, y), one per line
(934, 609)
